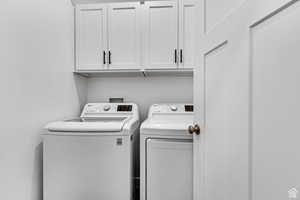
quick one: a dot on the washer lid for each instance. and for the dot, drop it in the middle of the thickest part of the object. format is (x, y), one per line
(100, 124)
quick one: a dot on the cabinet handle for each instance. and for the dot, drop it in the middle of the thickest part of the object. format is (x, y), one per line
(194, 129)
(181, 56)
(175, 55)
(104, 57)
(109, 57)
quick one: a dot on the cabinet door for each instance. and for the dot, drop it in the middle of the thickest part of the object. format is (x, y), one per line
(124, 35)
(187, 33)
(161, 34)
(91, 37)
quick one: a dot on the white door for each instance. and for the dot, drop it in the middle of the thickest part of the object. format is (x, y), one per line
(91, 37)
(124, 36)
(161, 34)
(246, 96)
(187, 33)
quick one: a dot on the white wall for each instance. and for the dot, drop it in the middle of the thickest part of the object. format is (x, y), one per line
(36, 85)
(142, 90)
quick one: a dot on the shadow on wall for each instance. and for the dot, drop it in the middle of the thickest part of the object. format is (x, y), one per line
(81, 87)
(37, 179)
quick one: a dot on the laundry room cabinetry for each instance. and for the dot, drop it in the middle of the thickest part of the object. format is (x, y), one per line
(169, 34)
(161, 34)
(187, 34)
(135, 37)
(91, 37)
(108, 37)
(124, 46)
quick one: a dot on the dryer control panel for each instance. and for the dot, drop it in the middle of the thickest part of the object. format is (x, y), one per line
(171, 109)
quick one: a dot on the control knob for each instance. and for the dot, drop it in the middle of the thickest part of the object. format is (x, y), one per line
(173, 108)
(106, 107)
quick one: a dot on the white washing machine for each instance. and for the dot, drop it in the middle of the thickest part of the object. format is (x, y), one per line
(167, 153)
(91, 157)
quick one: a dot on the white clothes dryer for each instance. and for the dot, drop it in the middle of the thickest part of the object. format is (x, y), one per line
(91, 157)
(167, 153)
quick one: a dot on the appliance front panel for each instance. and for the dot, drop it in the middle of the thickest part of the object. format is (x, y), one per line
(169, 171)
(87, 167)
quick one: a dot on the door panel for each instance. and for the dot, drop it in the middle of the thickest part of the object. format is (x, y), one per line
(124, 35)
(91, 38)
(187, 31)
(247, 102)
(275, 104)
(218, 137)
(225, 117)
(161, 34)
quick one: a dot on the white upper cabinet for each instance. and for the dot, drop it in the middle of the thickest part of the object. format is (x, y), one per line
(161, 34)
(133, 35)
(91, 37)
(187, 33)
(170, 32)
(124, 42)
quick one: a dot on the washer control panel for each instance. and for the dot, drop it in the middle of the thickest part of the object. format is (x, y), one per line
(107, 108)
